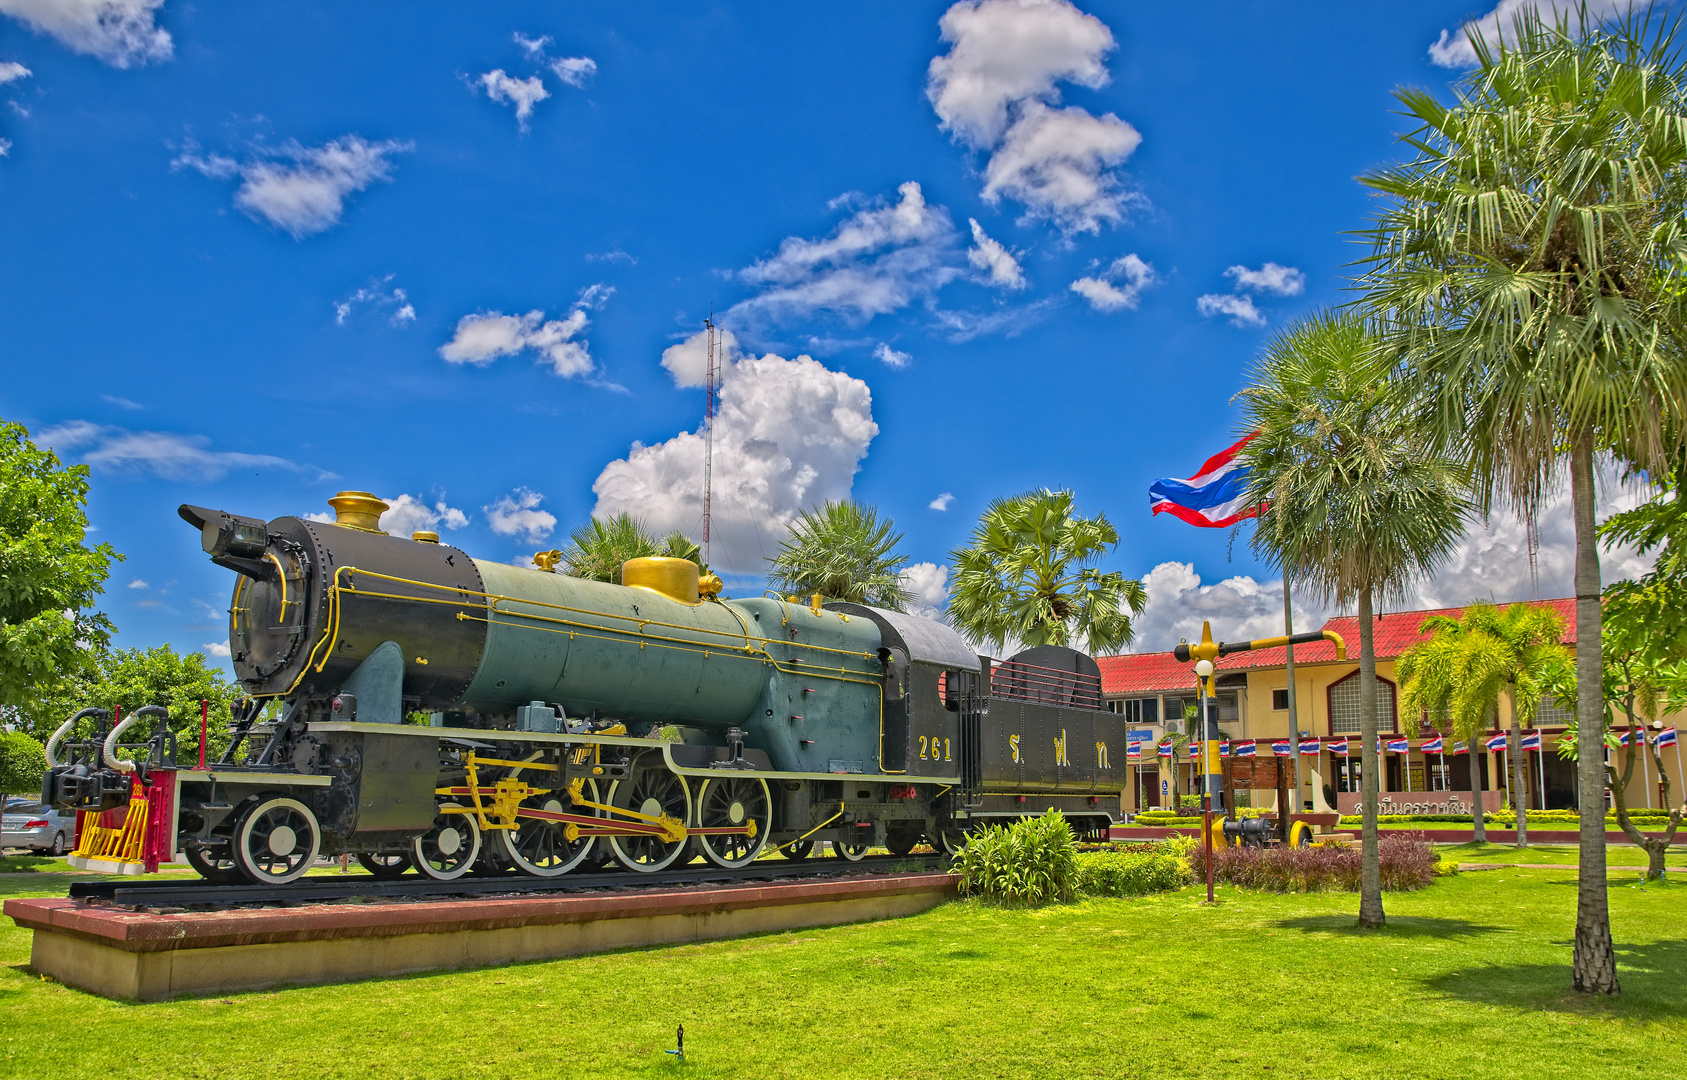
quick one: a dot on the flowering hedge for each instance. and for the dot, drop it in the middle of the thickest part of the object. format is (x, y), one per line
(1407, 862)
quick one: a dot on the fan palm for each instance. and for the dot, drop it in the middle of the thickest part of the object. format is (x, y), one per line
(1529, 265)
(1468, 663)
(1029, 574)
(1356, 506)
(597, 549)
(843, 551)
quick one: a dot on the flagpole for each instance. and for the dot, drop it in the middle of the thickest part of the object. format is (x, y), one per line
(1645, 773)
(1540, 770)
(1289, 657)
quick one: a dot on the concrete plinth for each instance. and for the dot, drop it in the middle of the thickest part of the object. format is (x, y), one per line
(150, 957)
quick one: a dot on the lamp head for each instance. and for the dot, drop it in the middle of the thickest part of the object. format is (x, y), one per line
(1203, 668)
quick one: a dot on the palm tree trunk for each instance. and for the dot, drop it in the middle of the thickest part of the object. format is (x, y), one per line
(1594, 963)
(1519, 777)
(1370, 873)
(1479, 826)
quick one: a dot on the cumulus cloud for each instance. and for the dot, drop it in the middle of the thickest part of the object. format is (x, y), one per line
(1240, 308)
(930, 585)
(881, 259)
(518, 515)
(301, 190)
(217, 649)
(996, 88)
(1239, 607)
(407, 514)
(1453, 50)
(11, 71)
(400, 312)
(688, 362)
(1270, 278)
(942, 501)
(789, 434)
(139, 584)
(509, 90)
(574, 70)
(186, 458)
(1118, 286)
(485, 336)
(991, 257)
(891, 357)
(122, 33)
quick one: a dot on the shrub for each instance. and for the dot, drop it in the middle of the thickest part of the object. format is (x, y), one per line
(1407, 862)
(1132, 873)
(1034, 861)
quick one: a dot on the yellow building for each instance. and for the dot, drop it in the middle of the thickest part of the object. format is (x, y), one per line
(1252, 704)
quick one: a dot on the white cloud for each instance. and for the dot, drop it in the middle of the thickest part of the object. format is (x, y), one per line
(881, 259)
(1240, 308)
(930, 585)
(942, 501)
(614, 255)
(688, 362)
(217, 649)
(5, 147)
(1105, 294)
(990, 256)
(120, 32)
(1453, 49)
(518, 515)
(574, 70)
(11, 71)
(1270, 278)
(483, 337)
(522, 93)
(891, 357)
(789, 434)
(1240, 609)
(376, 293)
(995, 90)
(964, 326)
(300, 189)
(165, 454)
(139, 584)
(533, 47)
(121, 402)
(407, 515)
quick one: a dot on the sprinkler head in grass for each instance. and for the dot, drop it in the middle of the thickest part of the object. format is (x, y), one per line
(679, 1039)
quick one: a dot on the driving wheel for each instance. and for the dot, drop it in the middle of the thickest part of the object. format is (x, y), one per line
(276, 841)
(733, 802)
(651, 792)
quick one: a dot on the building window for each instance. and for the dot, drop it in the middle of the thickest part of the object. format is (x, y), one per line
(1554, 713)
(1280, 699)
(1136, 710)
(1344, 706)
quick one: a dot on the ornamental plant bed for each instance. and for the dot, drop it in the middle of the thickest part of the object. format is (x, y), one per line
(1406, 862)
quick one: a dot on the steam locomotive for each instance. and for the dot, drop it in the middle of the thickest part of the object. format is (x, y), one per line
(567, 723)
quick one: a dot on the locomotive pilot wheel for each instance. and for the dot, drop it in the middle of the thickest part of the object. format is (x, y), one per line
(448, 850)
(797, 849)
(652, 791)
(733, 802)
(542, 848)
(384, 865)
(215, 865)
(851, 850)
(276, 841)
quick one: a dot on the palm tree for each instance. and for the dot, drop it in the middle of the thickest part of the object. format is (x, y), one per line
(1356, 504)
(1529, 266)
(843, 551)
(597, 549)
(1030, 575)
(1469, 662)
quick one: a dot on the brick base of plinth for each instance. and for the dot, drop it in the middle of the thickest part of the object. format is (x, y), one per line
(151, 957)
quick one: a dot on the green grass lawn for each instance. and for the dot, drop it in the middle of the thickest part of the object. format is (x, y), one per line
(1469, 979)
(1566, 854)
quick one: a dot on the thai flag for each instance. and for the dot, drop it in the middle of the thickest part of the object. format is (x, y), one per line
(1434, 746)
(1666, 737)
(1212, 498)
(1164, 749)
(1531, 741)
(1622, 737)
(1309, 748)
(1338, 746)
(1495, 743)
(1282, 749)
(1243, 748)
(1399, 746)
(1223, 748)
(1460, 747)
(1133, 749)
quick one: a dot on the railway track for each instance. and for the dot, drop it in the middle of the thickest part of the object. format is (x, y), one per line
(202, 895)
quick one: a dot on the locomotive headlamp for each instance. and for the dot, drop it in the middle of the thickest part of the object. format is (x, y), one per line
(222, 533)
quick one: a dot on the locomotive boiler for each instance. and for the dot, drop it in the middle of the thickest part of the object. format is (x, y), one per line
(417, 707)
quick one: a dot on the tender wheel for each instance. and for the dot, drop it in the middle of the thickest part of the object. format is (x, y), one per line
(215, 866)
(852, 850)
(542, 848)
(950, 842)
(653, 792)
(799, 849)
(901, 841)
(384, 865)
(448, 850)
(276, 841)
(733, 802)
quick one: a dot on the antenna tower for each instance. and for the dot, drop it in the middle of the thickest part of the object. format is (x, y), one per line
(708, 433)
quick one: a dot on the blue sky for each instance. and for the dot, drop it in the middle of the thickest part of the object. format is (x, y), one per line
(259, 253)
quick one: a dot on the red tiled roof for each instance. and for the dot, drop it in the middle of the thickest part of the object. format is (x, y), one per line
(1394, 633)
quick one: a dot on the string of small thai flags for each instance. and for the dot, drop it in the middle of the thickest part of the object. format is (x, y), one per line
(1246, 748)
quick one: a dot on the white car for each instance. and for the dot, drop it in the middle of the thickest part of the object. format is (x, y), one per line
(29, 824)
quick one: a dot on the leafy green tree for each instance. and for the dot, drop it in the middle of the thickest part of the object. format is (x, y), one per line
(844, 551)
(127, 679)
(1357, 504)
(1529, 266)
(1030, 574)
(1653, 607)
(49, 575)
(21, 764)
(1470, 662)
